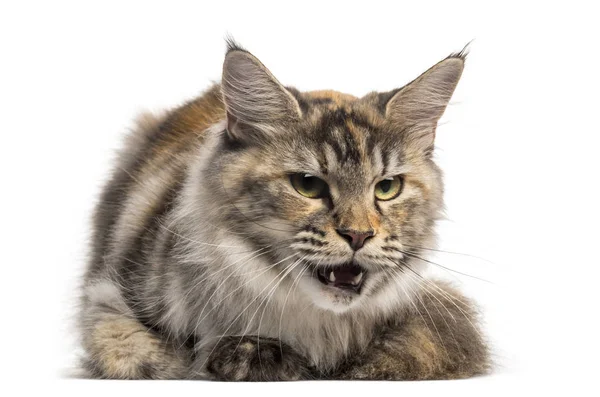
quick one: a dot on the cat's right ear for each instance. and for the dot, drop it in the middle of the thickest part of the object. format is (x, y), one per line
(255, 101)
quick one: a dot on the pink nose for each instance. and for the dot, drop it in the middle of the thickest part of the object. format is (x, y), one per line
(355, 238)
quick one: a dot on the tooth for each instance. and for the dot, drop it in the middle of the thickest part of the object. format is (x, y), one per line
(332, 277)
(357, 279)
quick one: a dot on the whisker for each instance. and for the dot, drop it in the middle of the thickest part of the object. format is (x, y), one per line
(235, 319)
(429, 294)
(443, 267)
(449, 298)
(270, 295)
(449, 252)
(254, 254)
(286, 299)
(430, 317)
(397, 275)
(262, 271)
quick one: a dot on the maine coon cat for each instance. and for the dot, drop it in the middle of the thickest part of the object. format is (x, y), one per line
(262, 233)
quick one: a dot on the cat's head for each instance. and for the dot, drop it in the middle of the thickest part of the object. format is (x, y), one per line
(341, 191)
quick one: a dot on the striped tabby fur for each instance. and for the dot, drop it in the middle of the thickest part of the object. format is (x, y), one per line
(204, 256)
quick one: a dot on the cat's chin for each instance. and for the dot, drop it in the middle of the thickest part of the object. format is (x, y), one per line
(329, 299)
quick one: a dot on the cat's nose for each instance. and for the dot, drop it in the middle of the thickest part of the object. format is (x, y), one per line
(355, 238)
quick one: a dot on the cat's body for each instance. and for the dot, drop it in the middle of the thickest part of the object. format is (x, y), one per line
(207, 264)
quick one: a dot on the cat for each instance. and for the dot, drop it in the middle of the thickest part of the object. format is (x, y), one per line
(260, 233)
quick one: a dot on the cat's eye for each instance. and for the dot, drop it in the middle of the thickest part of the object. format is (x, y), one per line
(389, 188)
(309, 186)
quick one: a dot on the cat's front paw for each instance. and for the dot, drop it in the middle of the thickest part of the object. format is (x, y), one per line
(250, 358)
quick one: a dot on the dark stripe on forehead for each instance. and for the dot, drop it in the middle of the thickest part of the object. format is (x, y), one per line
(339, 117)
(361, 121)
(324, 165)
(321, 101)
(337, 120)
(385, 158)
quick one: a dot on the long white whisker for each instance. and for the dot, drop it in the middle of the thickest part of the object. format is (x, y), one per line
(263, 271)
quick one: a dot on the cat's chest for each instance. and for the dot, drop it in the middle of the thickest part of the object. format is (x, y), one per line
(324, 338)
(327, 340)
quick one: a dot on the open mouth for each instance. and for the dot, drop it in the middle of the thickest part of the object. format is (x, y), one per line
(348, 277)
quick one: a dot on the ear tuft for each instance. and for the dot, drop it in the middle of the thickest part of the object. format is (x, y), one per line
(233, 45)
(462, 54)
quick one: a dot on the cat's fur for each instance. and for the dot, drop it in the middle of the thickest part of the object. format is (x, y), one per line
(201, 245)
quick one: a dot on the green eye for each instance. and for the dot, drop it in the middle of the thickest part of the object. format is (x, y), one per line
(309, 186)
(389, 188)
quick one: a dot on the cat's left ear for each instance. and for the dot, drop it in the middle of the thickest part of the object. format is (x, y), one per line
(255, 101)
(420, 104)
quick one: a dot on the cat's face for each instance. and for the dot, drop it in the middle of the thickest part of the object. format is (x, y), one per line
(341, 190)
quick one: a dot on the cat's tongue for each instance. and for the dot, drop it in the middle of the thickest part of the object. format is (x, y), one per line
(347, 276)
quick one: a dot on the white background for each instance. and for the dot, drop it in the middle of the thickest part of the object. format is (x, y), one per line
(519, 146)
